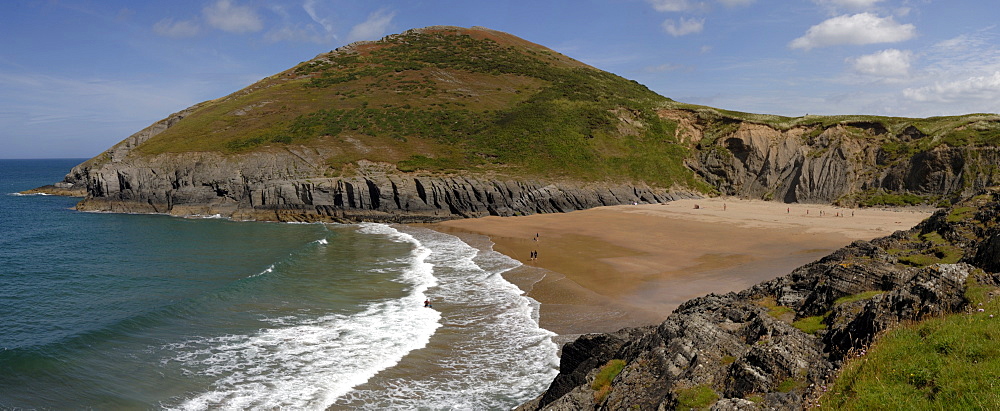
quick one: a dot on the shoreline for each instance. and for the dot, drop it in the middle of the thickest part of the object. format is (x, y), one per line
(606, 268)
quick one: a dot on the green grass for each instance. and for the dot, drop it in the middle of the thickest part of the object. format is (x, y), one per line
(604, 377)
(788, 385)
(961, 214)
(922, 250)
(697, 397)
(774, 310)
(950, 362)
(810, 325)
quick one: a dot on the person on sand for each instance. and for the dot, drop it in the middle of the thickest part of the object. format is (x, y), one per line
(427, 303)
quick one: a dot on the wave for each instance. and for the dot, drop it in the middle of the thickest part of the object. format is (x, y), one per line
(28, 194)
(308, 363)
(490, 352)
(69, 339)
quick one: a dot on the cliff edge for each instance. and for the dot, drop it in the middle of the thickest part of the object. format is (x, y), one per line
(780, 344)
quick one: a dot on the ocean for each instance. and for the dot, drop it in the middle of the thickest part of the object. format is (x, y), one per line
(118, 311)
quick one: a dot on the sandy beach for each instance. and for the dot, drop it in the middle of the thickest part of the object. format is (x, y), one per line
(602, 269)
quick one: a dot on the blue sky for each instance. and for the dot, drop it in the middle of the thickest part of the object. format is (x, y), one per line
(78, 76)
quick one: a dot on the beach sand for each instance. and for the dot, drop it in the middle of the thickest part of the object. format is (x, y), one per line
(602, 269)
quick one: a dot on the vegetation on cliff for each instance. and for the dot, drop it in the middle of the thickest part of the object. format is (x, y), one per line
(950, 362)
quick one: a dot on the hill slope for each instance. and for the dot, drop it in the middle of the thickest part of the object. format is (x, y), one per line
(445, 98)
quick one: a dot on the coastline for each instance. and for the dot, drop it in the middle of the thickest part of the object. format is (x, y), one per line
(603, 269)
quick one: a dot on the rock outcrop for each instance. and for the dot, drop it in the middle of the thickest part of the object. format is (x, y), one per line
(826, 164)
(751, 350)
(288, 185)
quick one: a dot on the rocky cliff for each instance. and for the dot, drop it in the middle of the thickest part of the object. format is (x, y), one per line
(283, 186)
(833, 160)
(288, 184)
(756, 349)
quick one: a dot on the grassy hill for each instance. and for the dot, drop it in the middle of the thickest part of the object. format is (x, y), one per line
(448, 99)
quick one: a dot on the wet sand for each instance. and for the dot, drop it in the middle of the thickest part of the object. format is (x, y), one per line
(602, 269)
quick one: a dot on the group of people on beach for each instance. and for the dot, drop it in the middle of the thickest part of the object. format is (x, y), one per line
(534, 254)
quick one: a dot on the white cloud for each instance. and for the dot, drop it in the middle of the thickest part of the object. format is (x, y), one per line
(886, 63)
(376, 26)
(735, 3)
(176, 29)
(980, 88)
(684, 27)
(670, 5)
(310, 7)
(226, 16)
(848, 4)
(858, 29)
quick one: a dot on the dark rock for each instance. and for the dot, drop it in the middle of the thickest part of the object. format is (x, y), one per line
(731, 344)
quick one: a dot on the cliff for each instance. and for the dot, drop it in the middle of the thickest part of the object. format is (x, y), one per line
(779, 344)
(849, 160)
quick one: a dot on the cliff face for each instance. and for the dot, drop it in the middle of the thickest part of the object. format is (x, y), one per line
(282, 186)
(834, 163)
(287, 184)
(748, 350)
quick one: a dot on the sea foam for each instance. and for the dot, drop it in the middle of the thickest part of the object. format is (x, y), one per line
(490, 352)
(308, 364)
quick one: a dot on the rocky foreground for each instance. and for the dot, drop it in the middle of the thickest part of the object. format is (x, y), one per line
(754, 349)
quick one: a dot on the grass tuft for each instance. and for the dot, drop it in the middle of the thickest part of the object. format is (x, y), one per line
(696, 397)
(602, 382)
(777, 311)
(810, 325)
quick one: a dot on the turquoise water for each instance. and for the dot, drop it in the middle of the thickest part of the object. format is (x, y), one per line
(146, 311)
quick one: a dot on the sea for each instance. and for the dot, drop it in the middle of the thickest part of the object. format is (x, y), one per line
(130, 311)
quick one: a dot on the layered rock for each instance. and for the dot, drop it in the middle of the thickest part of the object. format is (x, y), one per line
(748, 350)
(288, 185)
(819, 164)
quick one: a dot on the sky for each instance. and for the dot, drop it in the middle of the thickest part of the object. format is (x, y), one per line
(78, 76)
